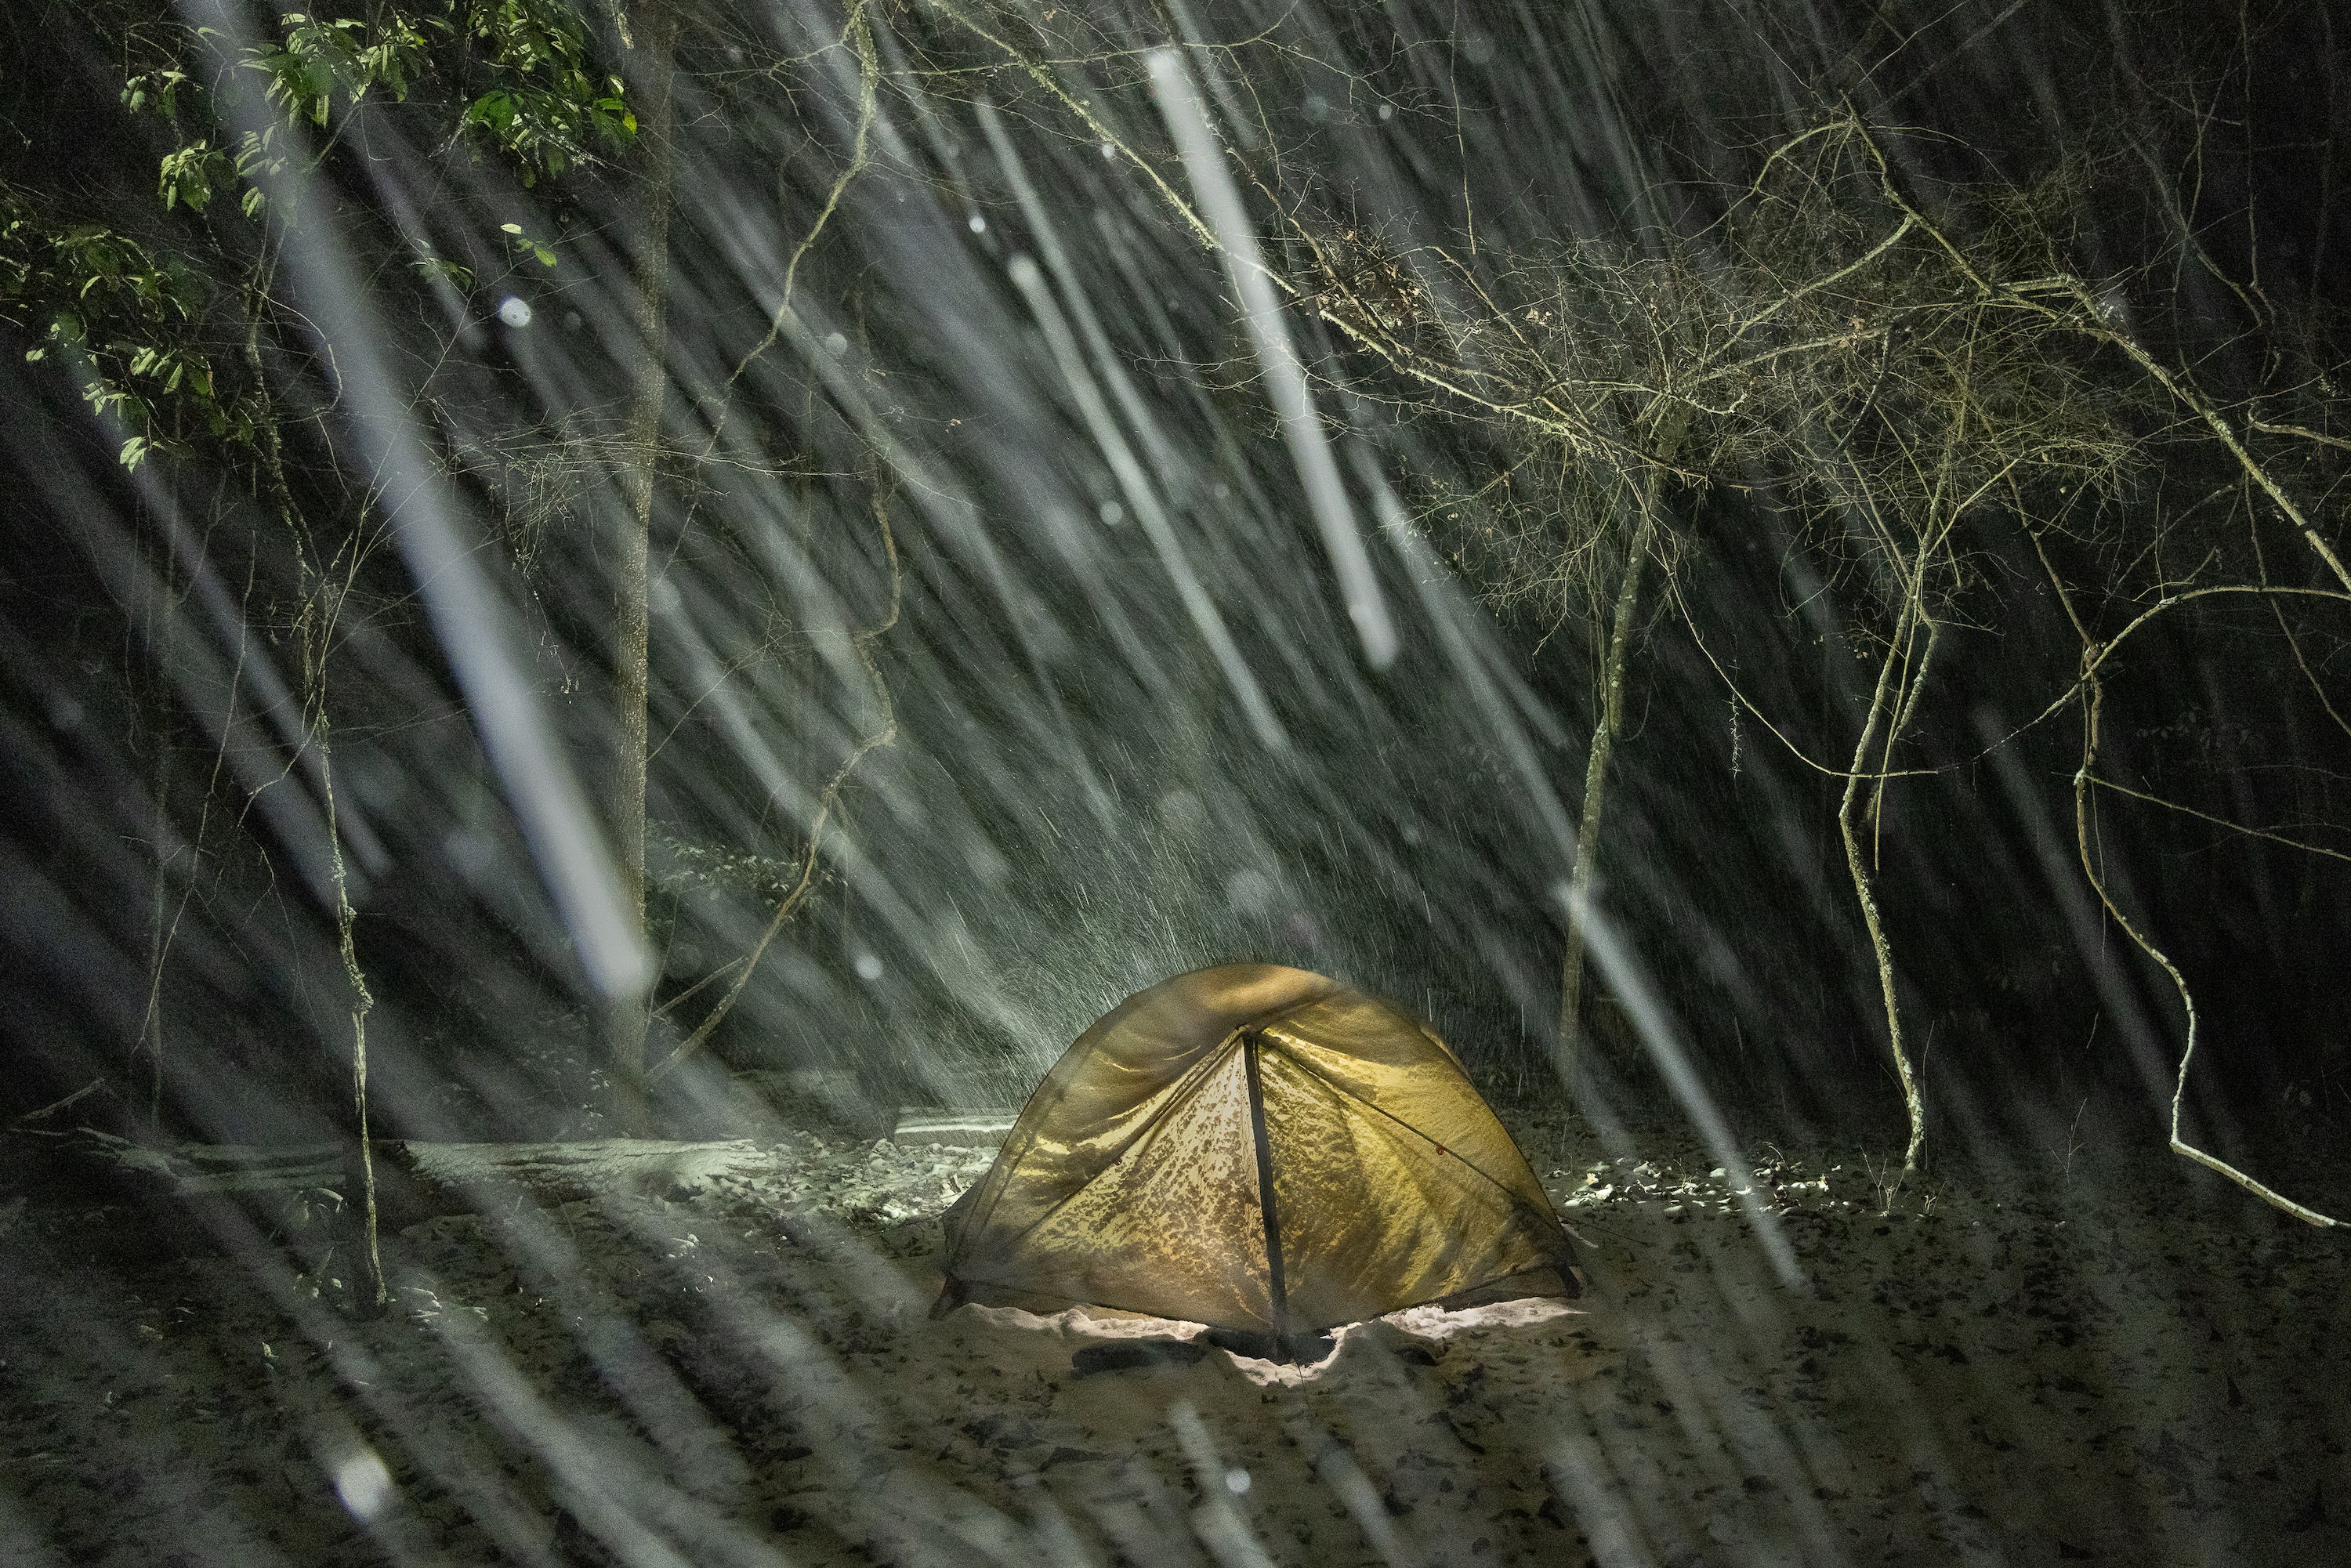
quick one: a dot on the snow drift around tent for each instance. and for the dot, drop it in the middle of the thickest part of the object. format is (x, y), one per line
(1260, 1149)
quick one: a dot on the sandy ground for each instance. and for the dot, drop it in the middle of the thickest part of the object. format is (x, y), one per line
(2120, 1363)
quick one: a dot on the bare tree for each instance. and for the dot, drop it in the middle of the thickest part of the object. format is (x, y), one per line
(1883, 363)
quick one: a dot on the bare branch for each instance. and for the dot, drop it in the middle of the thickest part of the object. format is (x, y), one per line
(826, 804)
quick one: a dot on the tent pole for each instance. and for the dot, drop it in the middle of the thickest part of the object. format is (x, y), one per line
(1276, 1287)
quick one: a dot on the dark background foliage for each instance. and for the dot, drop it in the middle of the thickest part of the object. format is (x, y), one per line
(1076, 802)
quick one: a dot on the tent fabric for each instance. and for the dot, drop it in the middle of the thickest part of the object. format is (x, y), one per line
(1139, 1175)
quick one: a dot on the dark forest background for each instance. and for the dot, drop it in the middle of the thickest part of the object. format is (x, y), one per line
(214, 618)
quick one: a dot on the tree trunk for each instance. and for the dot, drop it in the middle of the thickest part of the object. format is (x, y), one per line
(656, 61)
(321, 599)
(362, 1003)
(1595, 783)
(1911, 1103)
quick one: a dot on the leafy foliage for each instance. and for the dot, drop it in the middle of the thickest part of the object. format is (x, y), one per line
(138, 302)
(545, 106)
(320, 57)
(129, 315)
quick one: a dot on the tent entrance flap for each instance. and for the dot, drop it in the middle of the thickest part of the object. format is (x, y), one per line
(1277, 1287)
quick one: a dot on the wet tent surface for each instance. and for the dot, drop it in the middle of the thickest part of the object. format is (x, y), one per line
(1258, 1148)
(2107, 1365)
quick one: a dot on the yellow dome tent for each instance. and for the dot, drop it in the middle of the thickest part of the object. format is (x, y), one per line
(1262, 1150)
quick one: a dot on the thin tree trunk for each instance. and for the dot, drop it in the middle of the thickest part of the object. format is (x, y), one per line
(314, 626)
(1672, 427)
(2092, 696)
(1595, 783)
(1911, 1102)
(317, 627)
(657, 65)
(362, 1003)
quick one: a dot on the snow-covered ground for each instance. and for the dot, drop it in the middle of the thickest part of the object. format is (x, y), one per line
(2114, 1364)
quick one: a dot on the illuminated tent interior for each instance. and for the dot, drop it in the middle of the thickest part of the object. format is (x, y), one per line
(1263, 1150)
